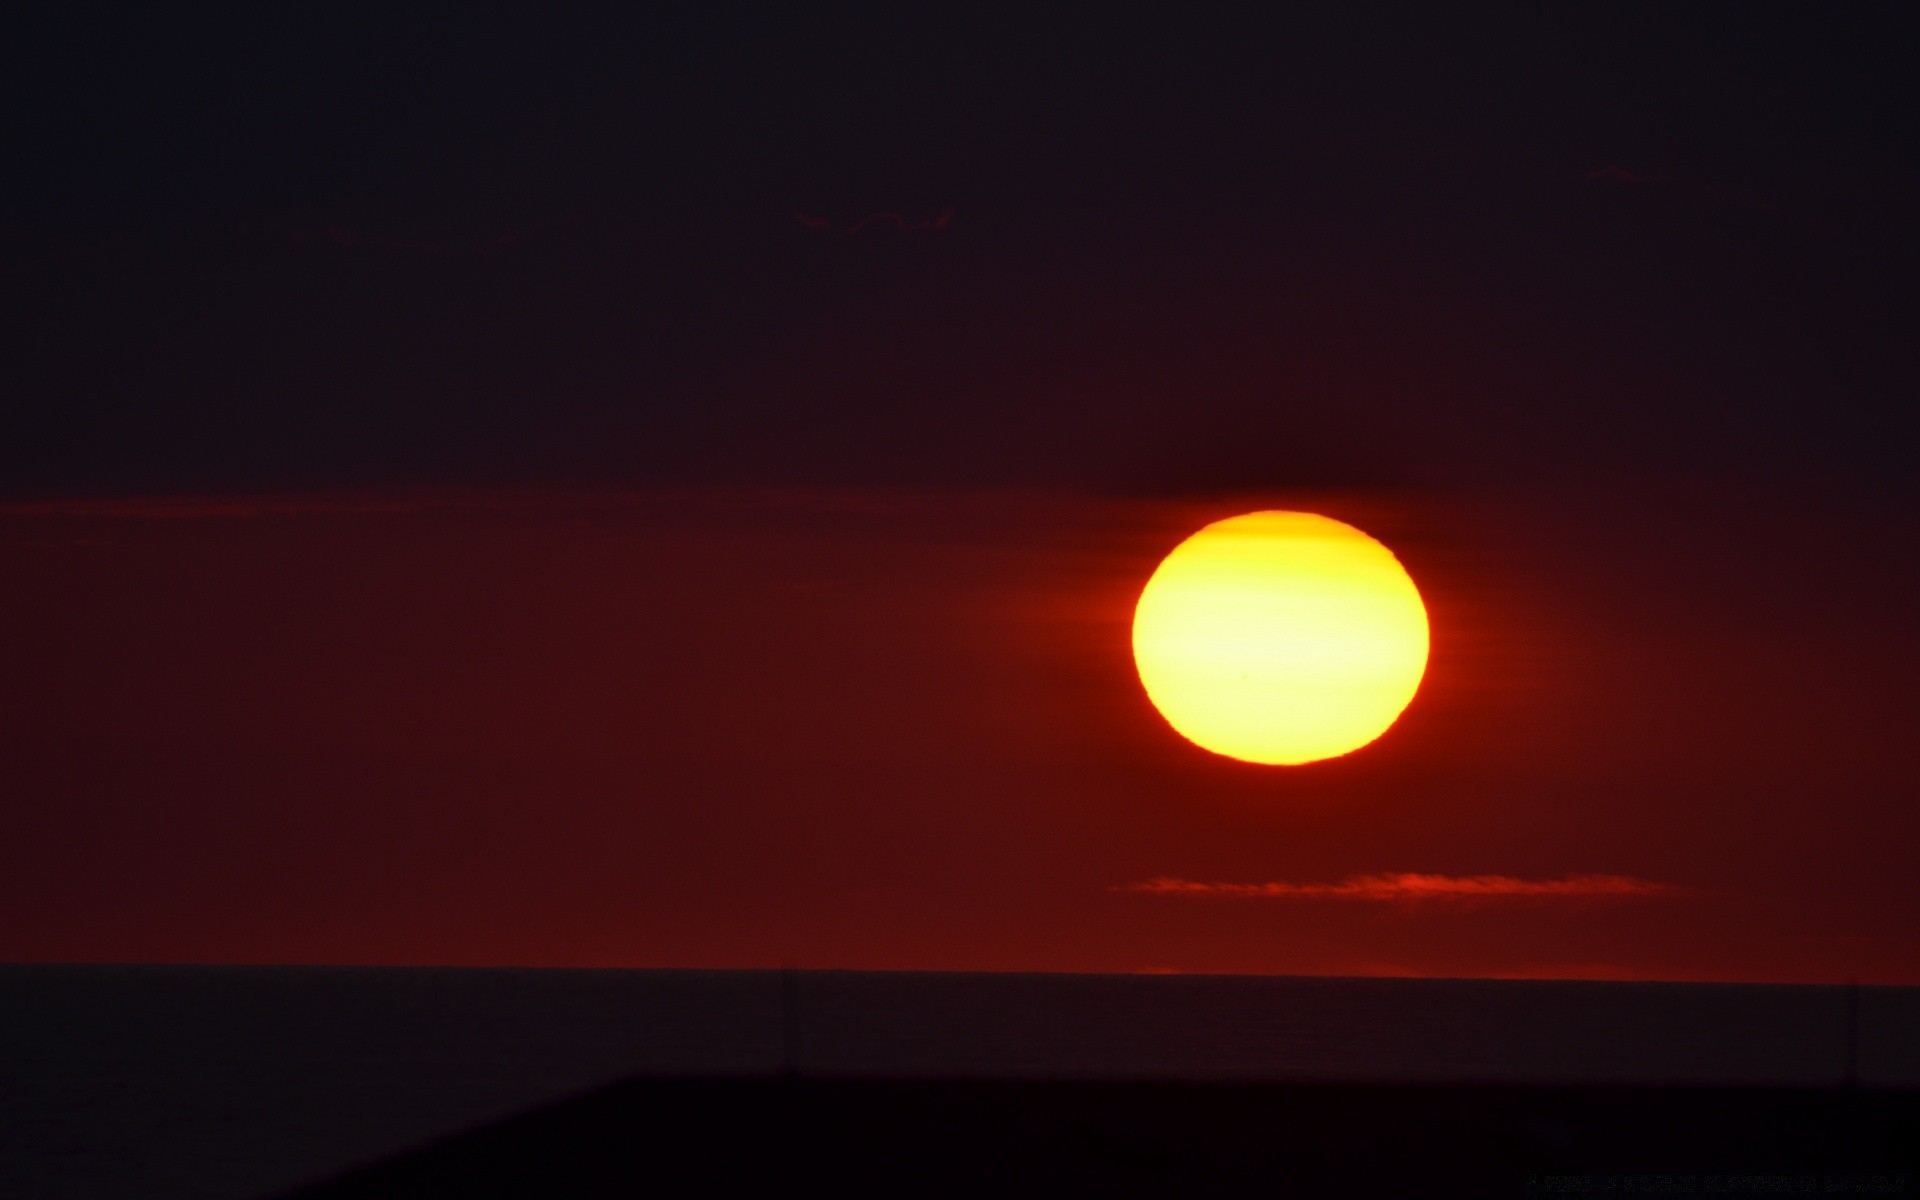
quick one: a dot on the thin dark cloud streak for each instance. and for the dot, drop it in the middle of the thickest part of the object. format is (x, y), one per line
(890, 220)
(234, 507)
(227, 508)
(1615, 175)
(354, 239)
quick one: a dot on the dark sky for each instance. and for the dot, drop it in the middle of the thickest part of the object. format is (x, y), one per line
(667, 485)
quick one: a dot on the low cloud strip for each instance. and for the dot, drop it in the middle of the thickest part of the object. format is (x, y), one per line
(1407, 886)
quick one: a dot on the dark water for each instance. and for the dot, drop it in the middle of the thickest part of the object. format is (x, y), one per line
(231, 1082)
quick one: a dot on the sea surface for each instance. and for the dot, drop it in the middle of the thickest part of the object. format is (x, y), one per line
(229, 1082)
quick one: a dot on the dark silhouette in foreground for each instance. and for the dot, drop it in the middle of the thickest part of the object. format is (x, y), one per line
(752, 1136)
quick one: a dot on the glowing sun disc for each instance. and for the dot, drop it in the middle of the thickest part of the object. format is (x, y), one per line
(1280, 637)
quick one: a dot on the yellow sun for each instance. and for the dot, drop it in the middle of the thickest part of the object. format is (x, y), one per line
(1280, 637)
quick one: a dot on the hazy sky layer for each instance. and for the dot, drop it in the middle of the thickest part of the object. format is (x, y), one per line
(668, 486)
(901, 729)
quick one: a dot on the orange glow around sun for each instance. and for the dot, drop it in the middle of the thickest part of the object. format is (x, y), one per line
(1280, 638)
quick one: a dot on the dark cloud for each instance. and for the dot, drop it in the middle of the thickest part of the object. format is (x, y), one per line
(1615, 173)
(354, 239)
(896, 221)
(884, 220)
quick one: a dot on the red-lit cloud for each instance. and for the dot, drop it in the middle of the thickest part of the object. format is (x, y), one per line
(1409, 886)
